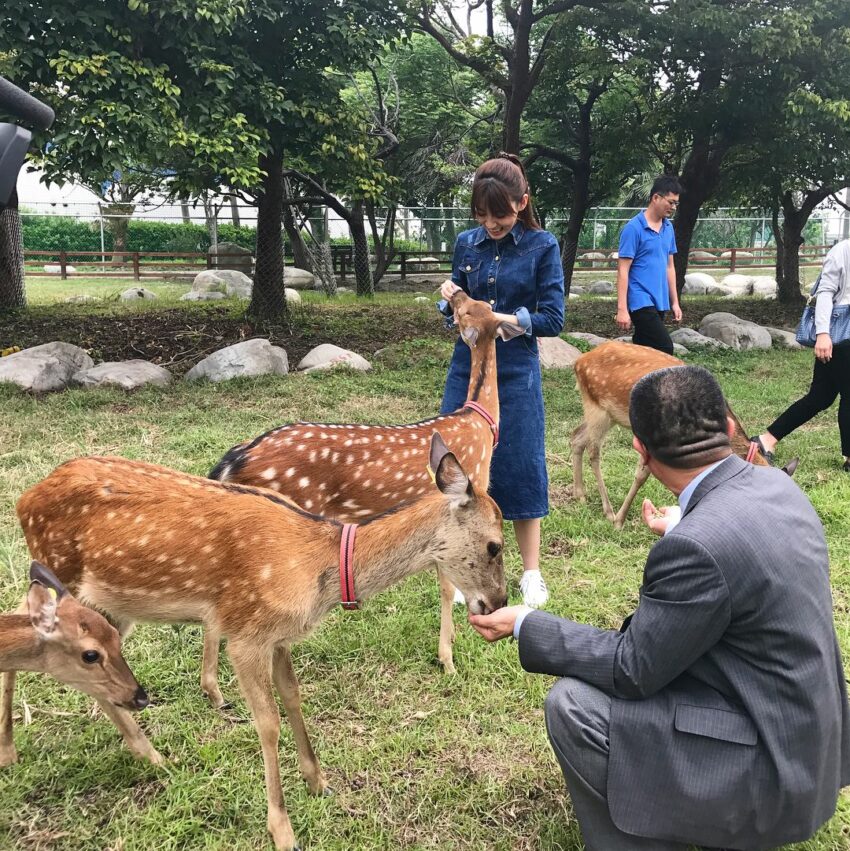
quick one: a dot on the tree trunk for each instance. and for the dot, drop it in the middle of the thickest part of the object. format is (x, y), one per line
(362, 266)
(184, 213)
(300, 255)
(578, 211)
(117, 223)
(12, 293)
(788, 290)
(384, 243)
(432, 228)
(268, 302)
(777, 238)
(234, 211)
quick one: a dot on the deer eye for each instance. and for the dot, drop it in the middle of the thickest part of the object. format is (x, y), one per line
(494, 548)
(90, 656)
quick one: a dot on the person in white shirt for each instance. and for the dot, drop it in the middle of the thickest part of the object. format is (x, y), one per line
(831, 376)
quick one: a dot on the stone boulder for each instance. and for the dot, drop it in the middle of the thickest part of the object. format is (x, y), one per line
(696, 283)
(575, 289)
(56, 269)
(764, 286)
(229, 255)
(328, 356)
(783, 339)
(556, 353)
(692, 339)
(298, 279)
(292, 296)
(737, 333)
(128, 375)
(137, 294)
(422, 299)
(196, 295)
(601, 288)
(739, 255)
(231, 282)
(81, 298)
(591, 339)
(702, 257)
(597, 257)
(249, 358)
(44, 368)
(738, 284)
(423, 264)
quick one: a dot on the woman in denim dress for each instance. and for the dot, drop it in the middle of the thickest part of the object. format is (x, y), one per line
(515, 266)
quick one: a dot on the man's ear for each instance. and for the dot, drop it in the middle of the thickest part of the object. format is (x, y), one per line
(640, 449)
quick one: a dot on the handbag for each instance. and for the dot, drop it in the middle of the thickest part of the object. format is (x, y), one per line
(839, 322)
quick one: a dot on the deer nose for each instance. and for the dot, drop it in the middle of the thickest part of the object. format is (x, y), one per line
(140, 698)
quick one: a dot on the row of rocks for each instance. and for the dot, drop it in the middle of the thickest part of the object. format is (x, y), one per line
(701, 283)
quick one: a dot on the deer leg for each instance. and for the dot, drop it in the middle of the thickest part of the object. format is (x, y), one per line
(253, 670)
(129, 728)
(579, 444)
(209, 668)
(287, 686)
(447, 625)
(641, 475)
(594, 451)
(8, 754)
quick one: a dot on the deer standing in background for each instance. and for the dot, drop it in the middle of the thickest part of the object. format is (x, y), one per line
(605, 377)
(143, 542)
(73, 644)
(349, 472)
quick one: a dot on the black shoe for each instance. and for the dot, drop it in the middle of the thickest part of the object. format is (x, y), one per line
(846, 467)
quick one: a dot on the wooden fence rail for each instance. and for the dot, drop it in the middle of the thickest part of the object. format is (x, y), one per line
(163, 264)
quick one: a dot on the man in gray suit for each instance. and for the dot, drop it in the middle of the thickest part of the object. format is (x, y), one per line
(718, 714)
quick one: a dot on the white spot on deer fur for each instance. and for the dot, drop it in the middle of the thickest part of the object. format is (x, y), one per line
(335, 457)
(290, 472)
(323, 435)
(110, 515)
(350, 503)
(266, 571)
(143, 540)
(367, 483)
(308, 435)
(138, 518)
(323, 486)
(300, 448)
(398, 475)
(483, 452)
(348, 442)
(269, 473)
(308, 504)
(189, 583)
(325, 451)
(364, 512)
(379, 436)
(304, 482)
(312, 456)
(179, 561)
(207, 548)
(162, 557)
(349, 459)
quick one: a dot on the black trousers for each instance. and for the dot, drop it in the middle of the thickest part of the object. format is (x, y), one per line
(829, 379)
(650, 330)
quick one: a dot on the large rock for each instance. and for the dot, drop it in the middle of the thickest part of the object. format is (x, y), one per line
(702, 257)
(252, 357)
(128, 374)
(81, 298)
(229, 255)
(601, 288)
(231, 282)
(328, 356)
(298, 279)
(696, 283)
(556, 353)
(783, 339)
(739, 255)
(292, 296)
(195, 295)
(56, 269)
(44, 368)
(764, 286)
(137, 294)
(739, 284)
(423, 264)
(592, 339)
(692, 339)
(737, 333)
(575, 289)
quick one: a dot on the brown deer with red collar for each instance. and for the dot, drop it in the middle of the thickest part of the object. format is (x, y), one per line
(605, 377)
(349, 472)
(143, 542)
(76, 646)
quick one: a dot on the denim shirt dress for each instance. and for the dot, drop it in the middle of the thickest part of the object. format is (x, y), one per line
(519, 274)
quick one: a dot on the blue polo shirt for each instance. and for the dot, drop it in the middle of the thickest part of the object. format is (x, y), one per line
(649, 252)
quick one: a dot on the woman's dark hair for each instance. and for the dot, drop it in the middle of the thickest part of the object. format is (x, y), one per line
(497, 184)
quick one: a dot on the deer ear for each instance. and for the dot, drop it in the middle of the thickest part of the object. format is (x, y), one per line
(448, 474)
(470, 336)
(42, 603)
(507, 331)
(46, 577)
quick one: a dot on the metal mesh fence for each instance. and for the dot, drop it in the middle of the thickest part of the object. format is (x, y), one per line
(323, 265)
(12, 293)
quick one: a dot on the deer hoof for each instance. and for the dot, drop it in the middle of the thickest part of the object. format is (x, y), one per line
(8, 756)
(328, 792)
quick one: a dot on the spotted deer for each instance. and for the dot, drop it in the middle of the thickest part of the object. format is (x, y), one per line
(143, 542)
(72, 643)
(605, 377)
(349, 472)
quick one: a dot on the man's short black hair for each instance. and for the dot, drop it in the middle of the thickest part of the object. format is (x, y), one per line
(665, 185)
(679, 415)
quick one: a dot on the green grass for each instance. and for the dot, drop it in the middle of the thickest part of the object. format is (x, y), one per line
(419, 760)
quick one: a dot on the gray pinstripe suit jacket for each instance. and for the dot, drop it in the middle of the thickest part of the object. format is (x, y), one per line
(729, 724)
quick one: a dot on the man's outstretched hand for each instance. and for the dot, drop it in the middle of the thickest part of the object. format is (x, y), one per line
(660, 520)
(498, 624)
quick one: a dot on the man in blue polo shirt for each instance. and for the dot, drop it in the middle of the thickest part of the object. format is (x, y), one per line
(646, 279)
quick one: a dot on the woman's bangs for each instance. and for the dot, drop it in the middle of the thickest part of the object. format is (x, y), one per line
(491, 196)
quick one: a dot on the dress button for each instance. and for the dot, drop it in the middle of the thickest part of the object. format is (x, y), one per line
(492, 301)
(469, 268)
(491, 280)
(496, 258)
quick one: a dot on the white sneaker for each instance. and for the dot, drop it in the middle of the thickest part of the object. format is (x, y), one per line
(460, 600)
(533, 588)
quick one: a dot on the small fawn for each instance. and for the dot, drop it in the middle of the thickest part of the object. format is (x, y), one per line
(349, 472)
(142, 542)
(72, 643)
(605, 377)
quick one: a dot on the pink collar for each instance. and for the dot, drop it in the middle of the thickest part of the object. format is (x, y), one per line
(494, 426)
(346, 567)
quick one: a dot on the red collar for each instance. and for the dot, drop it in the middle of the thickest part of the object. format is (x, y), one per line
(494, 426)
(346, 567)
